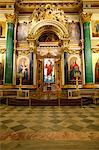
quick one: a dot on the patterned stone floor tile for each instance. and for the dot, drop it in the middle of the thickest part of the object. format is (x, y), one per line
(93, 127)
(12, 124)
(18, 127)
(87, 120)
(7, 121)
(75, 127)
(49, 119)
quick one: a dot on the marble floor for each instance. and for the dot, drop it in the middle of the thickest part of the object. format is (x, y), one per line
(49, 128)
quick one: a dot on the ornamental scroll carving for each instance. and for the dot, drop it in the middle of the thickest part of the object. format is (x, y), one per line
(48, 12)
(10, 18)
(86, 17)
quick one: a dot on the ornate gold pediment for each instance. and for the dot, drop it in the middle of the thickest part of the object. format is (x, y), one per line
(48, 12)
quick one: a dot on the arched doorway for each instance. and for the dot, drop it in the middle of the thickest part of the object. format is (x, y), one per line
(97, 72)
(47, 39)
(48, 60)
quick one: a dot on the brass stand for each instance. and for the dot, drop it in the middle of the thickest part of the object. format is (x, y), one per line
(76, 75)
(20, 89)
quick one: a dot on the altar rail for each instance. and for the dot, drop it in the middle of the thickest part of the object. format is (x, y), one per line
(30, 97)
(14, 92)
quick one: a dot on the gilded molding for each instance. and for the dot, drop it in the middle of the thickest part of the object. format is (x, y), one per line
(86, 17)
(72, 51)
(74, 6)
(23, 52)
(30, 37)
(48, 55)
(10, 18)
(95, 50)
(2, 51)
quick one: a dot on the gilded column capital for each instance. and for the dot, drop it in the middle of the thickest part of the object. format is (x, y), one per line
(86, 17)
(10, 18)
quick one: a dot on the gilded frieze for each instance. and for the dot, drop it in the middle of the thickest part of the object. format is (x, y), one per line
(63, 5)
(23, 52)
(72, 51)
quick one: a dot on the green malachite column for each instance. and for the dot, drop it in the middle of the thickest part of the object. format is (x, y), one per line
(87, 49)
(9, 49)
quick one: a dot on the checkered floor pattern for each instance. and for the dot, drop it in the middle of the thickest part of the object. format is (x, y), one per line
(49, 119)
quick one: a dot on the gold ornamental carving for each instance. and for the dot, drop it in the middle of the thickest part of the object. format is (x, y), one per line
(48, 12)
(95, 50)
(31, 37)
(86, 17)
(10, 18)
(2, 51)
(74, 6)
(23, 52)
(72, 51)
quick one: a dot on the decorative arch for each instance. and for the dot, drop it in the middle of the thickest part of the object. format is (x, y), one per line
(60, 30)
(47, 30)
(48, 36)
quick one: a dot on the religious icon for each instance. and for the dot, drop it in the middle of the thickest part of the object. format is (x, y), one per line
(95, 28)
(0, 30)
(97, 72)
(49, 67)
(1, 73)
(23, 68)
(48, 70)
(74, 67)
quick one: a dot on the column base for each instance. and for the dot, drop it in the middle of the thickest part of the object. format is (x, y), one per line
(89, 86)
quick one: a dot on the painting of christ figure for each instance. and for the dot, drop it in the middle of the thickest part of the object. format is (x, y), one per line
(49, 74)
(74, 67)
